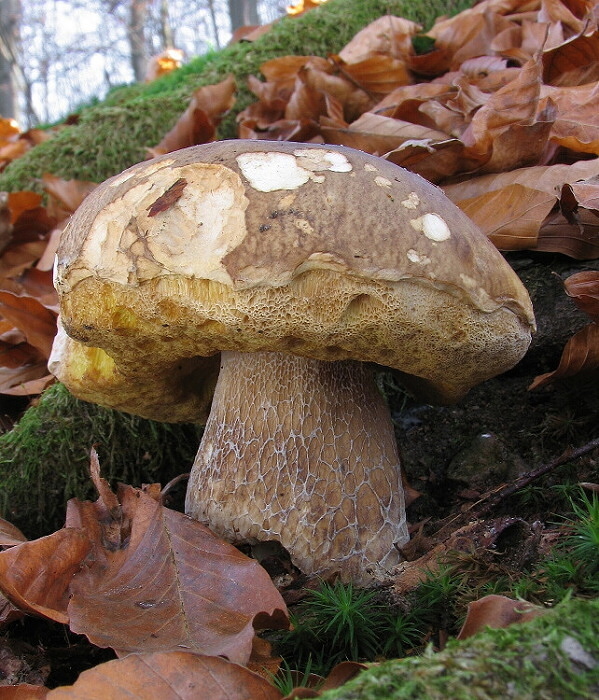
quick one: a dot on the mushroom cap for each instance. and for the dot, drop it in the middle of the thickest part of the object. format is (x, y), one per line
(314, 250)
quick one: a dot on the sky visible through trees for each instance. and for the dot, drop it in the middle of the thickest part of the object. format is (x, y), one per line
(72, 51)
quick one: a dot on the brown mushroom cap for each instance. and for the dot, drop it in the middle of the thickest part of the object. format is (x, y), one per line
(313, 250)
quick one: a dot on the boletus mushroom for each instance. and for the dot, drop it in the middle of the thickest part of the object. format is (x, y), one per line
(289, 271)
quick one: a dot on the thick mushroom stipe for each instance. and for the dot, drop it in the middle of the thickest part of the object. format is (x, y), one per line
(312, 257)
(311, 462)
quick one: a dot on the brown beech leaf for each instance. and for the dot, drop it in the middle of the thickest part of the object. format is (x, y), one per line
(24, 200)
(376, 74)
(67, 195)
(17, 355)
(580, 355)
(170, 675)
(583, 288)
(387, 35)
(405, 101)
(549, 178)
(342, 673)
(497, 611)
(377, 134)
(579, 238)
(23, 691)
(510, 216)
(433, 160)
(284, 70)
(37, 323)
(10, 534)
(466, 35)
(577, 121)
(198, 123)
(160, 580)
(354, 99)
(35, 575)
(305, 103)
(505, 114)
(581, 194)
(30, 380)
(575, 62)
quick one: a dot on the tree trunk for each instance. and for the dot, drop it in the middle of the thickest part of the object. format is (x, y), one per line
(167, 39)
(10, 12)
(243, 13)
(136, 35)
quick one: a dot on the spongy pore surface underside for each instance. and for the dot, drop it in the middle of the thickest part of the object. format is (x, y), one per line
(408, 325)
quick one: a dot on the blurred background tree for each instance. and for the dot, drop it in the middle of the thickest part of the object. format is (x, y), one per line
(56, 55)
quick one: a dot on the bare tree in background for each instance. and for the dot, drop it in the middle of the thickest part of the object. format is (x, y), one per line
(10, 78)
(138, 12)
(73, 51)
(243, 13)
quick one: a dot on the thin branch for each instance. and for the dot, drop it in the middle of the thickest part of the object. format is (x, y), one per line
(491, 499)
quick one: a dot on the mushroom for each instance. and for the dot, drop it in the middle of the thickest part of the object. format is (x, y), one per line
(298, 268)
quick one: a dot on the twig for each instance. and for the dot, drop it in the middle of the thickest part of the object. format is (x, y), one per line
(490, 500)
(170, 485)
(480, 508)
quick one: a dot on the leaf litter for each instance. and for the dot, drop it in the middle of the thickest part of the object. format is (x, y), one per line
(500, 112)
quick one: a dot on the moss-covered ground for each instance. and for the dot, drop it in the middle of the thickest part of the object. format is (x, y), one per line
(555, 656)
(44, 460)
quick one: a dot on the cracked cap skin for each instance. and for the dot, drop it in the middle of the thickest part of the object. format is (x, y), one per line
(314, 250)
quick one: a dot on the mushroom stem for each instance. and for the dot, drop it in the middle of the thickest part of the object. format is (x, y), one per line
(302, 452)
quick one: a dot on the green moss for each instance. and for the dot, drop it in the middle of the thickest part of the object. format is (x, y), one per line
(555, 656)
(44, 459)
(113, 135)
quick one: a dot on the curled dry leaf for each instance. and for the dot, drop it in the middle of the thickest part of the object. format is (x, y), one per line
(580, 356)
(23, 691)
(510, 216)
(37, 323)
(199, 593)
(583, 288)
(10, 534)
(35, 576)
(497, 611)
(388, 35)
(198, 123)
(65, 195)
(173, 675)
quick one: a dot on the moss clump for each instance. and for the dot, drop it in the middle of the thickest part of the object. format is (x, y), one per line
(554, 657)
(113, 135)
(44, 459)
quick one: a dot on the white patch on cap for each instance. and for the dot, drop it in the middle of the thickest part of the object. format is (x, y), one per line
(412, 201)
(370, 168)
(382, 181)
(267, 172)
(415, 257)
(433, 227)
(315, 159)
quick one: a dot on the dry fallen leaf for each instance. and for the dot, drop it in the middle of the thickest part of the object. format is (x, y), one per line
(497, 611)
(583, 287)
(35, 575)
(10, 534)
(581, 353)
(198, 123)
(171, 675)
